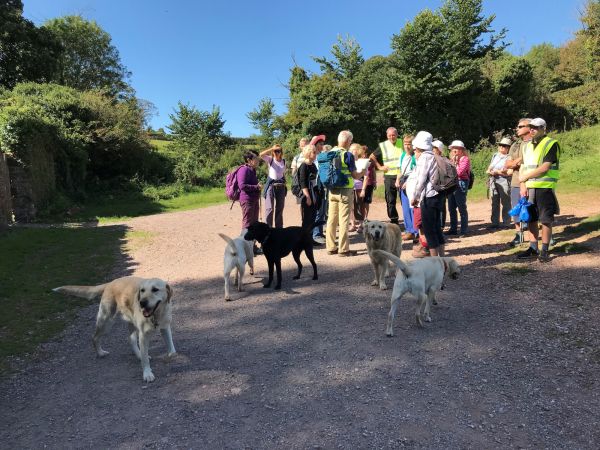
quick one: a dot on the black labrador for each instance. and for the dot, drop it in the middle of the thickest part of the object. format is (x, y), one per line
(279, 242)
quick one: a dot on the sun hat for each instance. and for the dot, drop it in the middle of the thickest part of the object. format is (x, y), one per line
(457, 144)
(438, 144)
(505, 141)
(538, 122)
(423, 141)
(319, 138)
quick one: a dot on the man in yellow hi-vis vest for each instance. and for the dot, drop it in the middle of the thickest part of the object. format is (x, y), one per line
(538, 177)
(386, 158)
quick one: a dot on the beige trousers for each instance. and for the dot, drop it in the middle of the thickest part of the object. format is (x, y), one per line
(340, 200)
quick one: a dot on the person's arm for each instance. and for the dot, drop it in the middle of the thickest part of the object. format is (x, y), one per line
(352, 167)
(243, 181)
(303, 178)
(463, 168)
(512, 162)
(377, 158)
(422, 172)
(269, 152)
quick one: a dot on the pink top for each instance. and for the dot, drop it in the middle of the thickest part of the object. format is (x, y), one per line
(463, 168)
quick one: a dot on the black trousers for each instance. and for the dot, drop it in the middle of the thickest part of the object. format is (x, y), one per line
(391, 194)
(431, 213)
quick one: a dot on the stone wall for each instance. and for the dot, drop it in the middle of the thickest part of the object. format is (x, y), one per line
(5, 197)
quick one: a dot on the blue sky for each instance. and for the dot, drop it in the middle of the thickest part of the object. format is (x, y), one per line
(233, 53)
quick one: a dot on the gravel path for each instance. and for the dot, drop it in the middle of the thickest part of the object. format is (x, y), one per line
(511, 359)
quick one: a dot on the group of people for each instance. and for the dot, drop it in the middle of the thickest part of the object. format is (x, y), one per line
(526, 168)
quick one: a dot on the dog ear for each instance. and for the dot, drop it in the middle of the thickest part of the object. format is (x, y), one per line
(169, 293)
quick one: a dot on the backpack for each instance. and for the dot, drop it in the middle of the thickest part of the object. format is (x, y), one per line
(445, 179)
(330, 169)
(471, 179)
(296, 189)
(232, 189)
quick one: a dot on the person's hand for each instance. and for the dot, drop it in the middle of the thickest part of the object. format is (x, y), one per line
(385, 168)
(260, 186)
(523, 191)
(415, 203)
(361, 194)
(397, 184)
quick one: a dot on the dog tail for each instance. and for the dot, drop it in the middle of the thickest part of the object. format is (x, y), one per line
(230, 243)
(396, 260)
(89, 292)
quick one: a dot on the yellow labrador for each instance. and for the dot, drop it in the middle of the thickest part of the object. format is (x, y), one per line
(144, 303)
(422, 278)
(237, 253)
(382, 236)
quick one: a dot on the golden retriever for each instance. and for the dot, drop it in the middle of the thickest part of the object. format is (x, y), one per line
(382, 236)
(237, 253)
(144, 303)
(422, 278)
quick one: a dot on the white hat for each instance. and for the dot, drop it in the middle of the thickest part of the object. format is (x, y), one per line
(438, 144)
(505, 141)
(457, 144)
(538, 122)
(423, 141)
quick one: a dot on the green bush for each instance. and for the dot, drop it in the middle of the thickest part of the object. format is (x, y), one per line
(581, 104)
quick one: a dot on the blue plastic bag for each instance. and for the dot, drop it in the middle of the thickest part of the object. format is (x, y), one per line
(521, 210)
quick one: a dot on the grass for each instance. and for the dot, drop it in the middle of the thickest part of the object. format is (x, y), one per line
(110, 208)
(516, 269)
(587, 225)
(35, 260)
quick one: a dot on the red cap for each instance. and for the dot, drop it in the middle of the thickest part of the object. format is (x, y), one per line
(314, 140)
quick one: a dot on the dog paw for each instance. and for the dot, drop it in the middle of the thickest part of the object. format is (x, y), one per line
(315, 277)
(427, 319)
(419, 321)
(251, 272)
(374, 283)
(383, 287)
(148, 376)
(389, 334)
(227, 299)
(296, 277)
(102, 353)
(172, 354)
(434, 302)
(278, 287)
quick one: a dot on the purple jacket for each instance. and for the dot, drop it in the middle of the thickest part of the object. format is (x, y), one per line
(248, 183)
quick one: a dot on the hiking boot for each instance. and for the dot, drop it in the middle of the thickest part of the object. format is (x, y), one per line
(332, 252)
(544, 257)
(406, 236)
(529, 253)
(450, 233)
(516, 241)
(348, 253)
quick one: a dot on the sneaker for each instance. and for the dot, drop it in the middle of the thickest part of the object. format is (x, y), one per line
(544, 257)
(318, 240)
(406, 236)
(492, 227)
(332, 252)
(450, 233)
(418, 251)
(348, 253)
(529, 253)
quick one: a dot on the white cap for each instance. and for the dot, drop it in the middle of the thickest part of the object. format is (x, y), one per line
(423, 140)
(505, 141)
(438, 144)
(538, 122)
(457, 144)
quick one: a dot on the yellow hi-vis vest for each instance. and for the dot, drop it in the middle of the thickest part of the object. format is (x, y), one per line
(344, 168)
(533, 158)
(391, 156)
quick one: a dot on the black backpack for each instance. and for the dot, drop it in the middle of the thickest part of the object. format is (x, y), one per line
(471, 179)
(296, 189)
(445, 179)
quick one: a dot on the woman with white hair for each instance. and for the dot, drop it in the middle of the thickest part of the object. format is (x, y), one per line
(307, 177)
(425, 196)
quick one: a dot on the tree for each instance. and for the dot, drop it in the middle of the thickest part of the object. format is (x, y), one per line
(348, 58)
(88, 59)
(544, 59)
(27, 53)
(264, 119)
(591, 33)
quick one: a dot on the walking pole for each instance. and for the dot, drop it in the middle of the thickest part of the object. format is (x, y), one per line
(521, 233)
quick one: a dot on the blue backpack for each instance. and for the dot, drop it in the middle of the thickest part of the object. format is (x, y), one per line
(330, 169)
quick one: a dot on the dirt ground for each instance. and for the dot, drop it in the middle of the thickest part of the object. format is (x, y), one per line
(511, 359)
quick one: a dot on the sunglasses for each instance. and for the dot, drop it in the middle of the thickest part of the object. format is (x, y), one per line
(276, 151)
(523, 126)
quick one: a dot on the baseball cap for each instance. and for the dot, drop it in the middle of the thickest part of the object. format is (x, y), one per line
(538, 122)
(505, 141)
(314, 140)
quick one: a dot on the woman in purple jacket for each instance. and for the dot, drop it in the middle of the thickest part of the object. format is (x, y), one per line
(249, 189)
